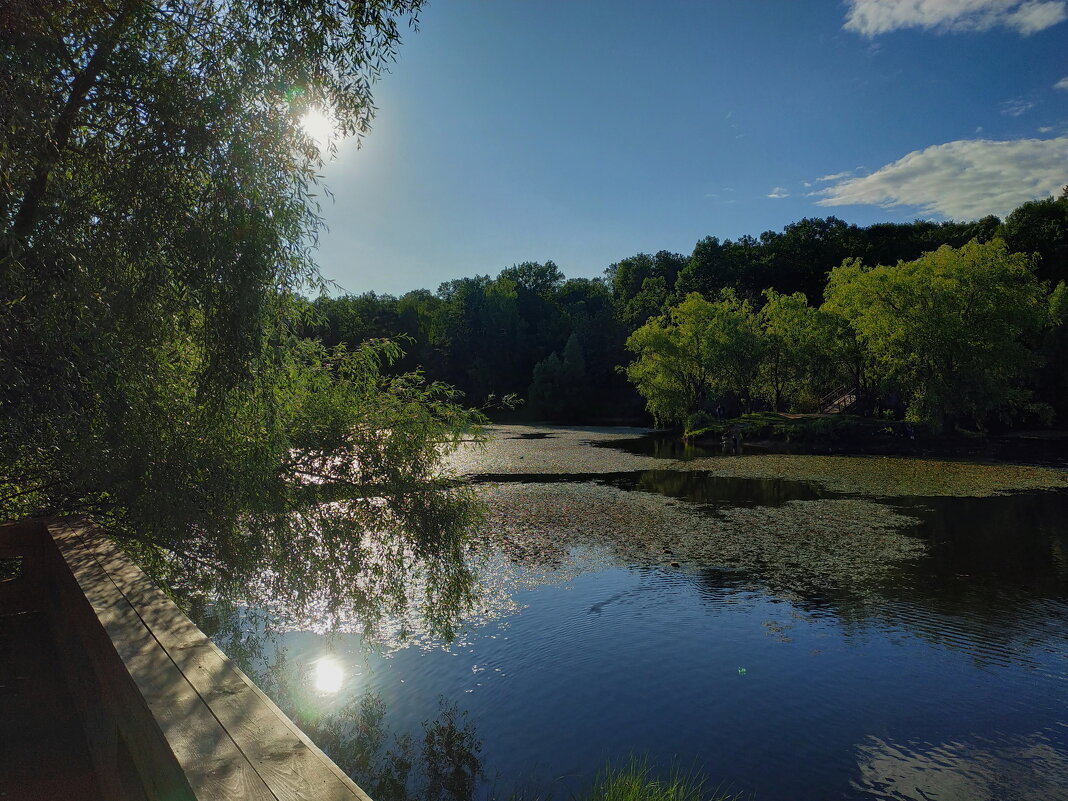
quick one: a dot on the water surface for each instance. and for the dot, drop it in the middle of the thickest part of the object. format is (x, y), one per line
(799, 629)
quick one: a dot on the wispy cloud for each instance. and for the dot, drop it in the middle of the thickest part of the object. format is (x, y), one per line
(836, 176)
(1045, 128)
(874, 17)
(1062, 84)
(778, 192)
(965, 179)
(1016, 107)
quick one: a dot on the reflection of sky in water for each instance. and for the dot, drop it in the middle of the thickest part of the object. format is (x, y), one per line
(703, 667)
(977, 769)
(790, 646)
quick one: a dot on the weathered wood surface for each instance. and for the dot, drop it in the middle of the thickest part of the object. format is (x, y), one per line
(229, 739)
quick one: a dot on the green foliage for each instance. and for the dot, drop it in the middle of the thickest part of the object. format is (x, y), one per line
(795, 346)
(1053, 351)
(561, 386)
(1041, 227)
(698, 348)
(635, 781)
(952, 328)
(674, 358)
(496, 335)
(641, 285)
(156, 219)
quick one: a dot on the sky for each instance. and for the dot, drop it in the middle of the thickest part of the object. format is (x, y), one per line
(586, 132)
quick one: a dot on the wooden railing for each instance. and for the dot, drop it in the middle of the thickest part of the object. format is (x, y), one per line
(166, 714)
(839, 400)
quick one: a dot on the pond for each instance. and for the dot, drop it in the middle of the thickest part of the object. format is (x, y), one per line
(790, 627)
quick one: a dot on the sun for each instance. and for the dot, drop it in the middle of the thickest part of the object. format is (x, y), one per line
(320, 126)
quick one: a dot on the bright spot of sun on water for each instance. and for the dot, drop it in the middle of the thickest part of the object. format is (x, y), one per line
(319, 126)
(328, 675)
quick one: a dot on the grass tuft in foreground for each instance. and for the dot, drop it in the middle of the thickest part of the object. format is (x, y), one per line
(635, 781)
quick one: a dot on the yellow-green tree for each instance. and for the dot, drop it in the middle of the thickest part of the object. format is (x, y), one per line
(698, 349)
(952, 330)
(795, 348)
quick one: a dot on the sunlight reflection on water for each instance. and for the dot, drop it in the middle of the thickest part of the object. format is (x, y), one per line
(328, 675)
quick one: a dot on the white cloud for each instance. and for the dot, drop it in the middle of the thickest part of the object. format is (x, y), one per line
(873, 17)
(1045, 128)
(836, 176)
(1016, 107)
(1062, 84)
(964, 180)
(778, 192)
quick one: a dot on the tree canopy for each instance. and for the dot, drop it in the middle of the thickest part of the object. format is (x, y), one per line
(953, 329)
(157, 214)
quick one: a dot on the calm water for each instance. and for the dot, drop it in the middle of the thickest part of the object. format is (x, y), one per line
(788, 637)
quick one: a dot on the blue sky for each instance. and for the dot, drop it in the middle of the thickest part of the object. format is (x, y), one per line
(586, 132)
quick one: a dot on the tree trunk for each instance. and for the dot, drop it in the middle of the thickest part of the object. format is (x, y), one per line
(54, 145)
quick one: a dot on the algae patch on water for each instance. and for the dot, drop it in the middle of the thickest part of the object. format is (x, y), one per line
(890, 476)
(797, 548)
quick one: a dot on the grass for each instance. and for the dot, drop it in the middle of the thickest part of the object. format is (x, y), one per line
(634, 780)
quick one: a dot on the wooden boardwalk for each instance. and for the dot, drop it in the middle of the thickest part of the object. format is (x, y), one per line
(43, 751)
(165, 714)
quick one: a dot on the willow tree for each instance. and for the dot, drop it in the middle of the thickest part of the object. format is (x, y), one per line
(953, 330)
(157, 218)
(698, 349)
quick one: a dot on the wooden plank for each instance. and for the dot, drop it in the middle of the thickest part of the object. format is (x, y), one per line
(286, 759)
(213, 764)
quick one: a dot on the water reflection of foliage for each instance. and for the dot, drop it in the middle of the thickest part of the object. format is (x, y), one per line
(795, 549)
(445, 765)
(985, 576)
(703, 488)
(890, 476)
(354, 565)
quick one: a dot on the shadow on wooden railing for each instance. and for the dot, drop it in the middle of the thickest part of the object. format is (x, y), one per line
(166, 715)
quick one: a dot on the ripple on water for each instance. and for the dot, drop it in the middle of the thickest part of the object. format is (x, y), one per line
(1017, 768)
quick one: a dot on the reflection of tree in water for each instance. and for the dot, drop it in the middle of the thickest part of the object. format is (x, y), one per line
(703, 488)
(982, 574)
(443, 765)
(990, 579)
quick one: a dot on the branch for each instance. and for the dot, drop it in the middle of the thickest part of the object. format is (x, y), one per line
(28, 212)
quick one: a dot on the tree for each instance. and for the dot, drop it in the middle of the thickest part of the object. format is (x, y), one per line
(952, 329)
(674, 359)
(642, 284)
(792, 347)
(715, 266)
(1041, 227)
(157, 215)
(696, 349)
(560, 387)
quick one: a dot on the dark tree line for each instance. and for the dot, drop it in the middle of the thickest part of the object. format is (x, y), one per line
(557, 343)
